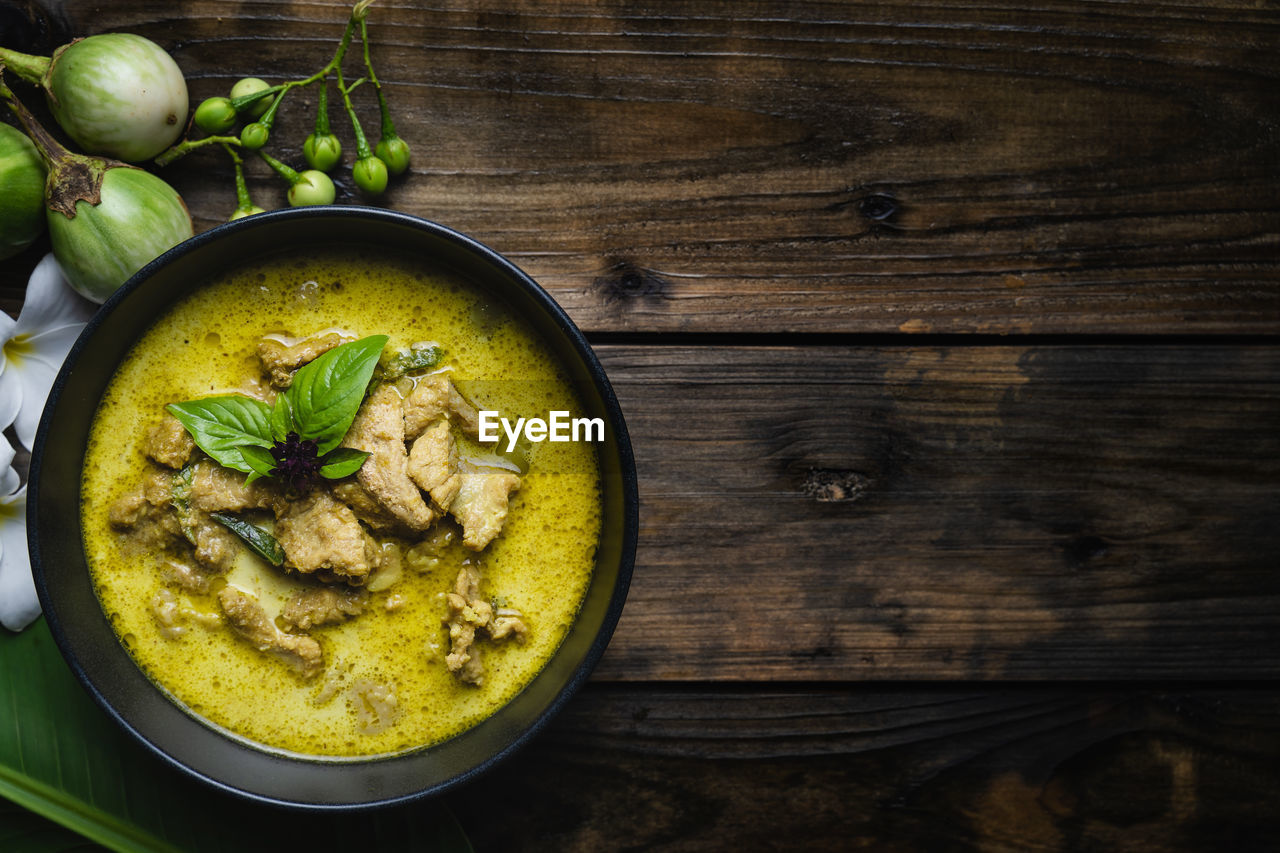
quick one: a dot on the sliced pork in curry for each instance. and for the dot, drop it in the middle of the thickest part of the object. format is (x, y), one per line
(146, 511)
(481, 503)
(281, 358)
(175, 614)
(433, 396)
(204, 488)
(433, 464)
(218, 489)
(334, 537)
(169, 443)
(320, 535)
(313, 608)
(367, 508)
(246, 617)
(469, 614)
(379, 431)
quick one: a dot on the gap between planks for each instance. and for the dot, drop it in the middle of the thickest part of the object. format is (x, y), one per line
(922, 339)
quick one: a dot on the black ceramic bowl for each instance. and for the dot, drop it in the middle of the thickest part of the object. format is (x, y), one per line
(101, 662)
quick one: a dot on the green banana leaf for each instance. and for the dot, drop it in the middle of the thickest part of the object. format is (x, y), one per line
(21, 830)
(66, 762)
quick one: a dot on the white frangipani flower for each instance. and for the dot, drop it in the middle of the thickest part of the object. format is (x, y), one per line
(32, 349)
(36, 344)
(9, 479)
(18, 603)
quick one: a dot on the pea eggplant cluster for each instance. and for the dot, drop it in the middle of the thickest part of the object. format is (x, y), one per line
(253, 104)
(123, 100)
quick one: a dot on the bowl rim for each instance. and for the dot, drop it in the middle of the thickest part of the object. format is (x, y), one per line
(564, 324)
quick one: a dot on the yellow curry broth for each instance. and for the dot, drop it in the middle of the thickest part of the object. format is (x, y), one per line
(540, 564)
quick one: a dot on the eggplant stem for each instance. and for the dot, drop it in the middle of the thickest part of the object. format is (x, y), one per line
(243, 101)
(51, 150)
(289, 174)
(243, 201)
(30, 68)
(358, 13)
(322, 74)
(72, 177)
(269, 117)
(336, 62)
(322, 108)
(186, 146)
(363, 151)
(388, 126)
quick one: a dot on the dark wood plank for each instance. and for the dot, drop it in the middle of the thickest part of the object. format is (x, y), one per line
(903, 769)
(806, 166)
(1071, 512)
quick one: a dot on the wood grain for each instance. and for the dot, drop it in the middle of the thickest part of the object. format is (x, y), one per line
(1072, 512)
(802, 166)
(900, 769)
(834, 527)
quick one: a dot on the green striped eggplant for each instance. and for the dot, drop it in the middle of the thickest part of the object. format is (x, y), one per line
(117, 94)
(21, 192)
(106, 219)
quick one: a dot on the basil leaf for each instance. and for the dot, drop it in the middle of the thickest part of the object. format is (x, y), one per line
(220, 426)
(326, 393)
(259, 541)
(416, 357)
(260, 460)
(341, 462)
(282, 422)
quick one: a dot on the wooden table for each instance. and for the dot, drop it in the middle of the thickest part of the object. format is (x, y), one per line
(948, 336)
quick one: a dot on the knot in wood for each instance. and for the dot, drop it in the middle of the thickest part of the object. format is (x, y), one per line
(631, 281)
(830, 485)
(878, 207)
(624, 280)
(1081, 550)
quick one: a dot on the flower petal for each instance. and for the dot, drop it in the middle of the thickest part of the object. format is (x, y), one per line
(19, 605)
(10, 393)
(50, 302)
(9, 479)
(35, 373)
(7, 453)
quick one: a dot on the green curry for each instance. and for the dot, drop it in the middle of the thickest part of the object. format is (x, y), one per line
(425, 624)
